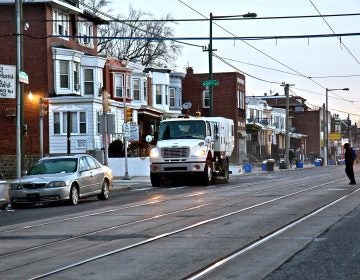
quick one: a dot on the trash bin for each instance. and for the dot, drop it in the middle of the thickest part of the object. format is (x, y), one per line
(270, 165)
(299, 164)
(282, 164)
(247, 167)
(263, 166)
(317, 163)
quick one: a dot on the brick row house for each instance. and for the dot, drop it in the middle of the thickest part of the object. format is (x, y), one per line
(63, 69)
(66, 74)
(228, 102)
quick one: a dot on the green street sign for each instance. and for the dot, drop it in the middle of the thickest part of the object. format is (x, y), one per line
(210, 83)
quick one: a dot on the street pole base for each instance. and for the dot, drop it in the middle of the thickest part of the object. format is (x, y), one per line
(126, 177)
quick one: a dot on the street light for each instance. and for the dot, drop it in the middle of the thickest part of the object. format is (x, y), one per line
(326, 150)
(210, 50)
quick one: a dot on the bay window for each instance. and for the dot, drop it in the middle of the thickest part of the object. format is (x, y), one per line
(77, 122)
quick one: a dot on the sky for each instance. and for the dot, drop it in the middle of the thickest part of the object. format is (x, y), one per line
(331, 63)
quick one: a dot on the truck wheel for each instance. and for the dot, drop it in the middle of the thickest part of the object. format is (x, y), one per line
(207, 174)
(155, 180)
(226, 172)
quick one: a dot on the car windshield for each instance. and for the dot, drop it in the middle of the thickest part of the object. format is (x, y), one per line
(182, 130)
(52, 166)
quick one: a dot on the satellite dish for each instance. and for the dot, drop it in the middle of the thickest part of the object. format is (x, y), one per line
(187, 105)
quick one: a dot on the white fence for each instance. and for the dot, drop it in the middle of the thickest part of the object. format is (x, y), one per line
(136, 166)
(3, 190)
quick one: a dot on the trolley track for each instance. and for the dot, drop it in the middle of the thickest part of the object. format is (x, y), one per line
(207, 190)
(114, 227)
(167, 234)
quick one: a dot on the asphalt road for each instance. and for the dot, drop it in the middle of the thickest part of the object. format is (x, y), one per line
(334, 253)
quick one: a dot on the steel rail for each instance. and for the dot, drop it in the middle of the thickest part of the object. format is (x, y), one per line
(222, 261)
(158, 216)
(167, 234)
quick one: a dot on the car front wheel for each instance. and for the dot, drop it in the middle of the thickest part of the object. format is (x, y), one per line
(105, 191)
(74, 195)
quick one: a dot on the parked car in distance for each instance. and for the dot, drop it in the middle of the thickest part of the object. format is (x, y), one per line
(58, 178)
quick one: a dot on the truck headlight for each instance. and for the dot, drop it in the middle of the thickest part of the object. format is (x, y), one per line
(154, 153)
(200, 152)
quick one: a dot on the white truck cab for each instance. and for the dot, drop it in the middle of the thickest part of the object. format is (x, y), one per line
(198, 147)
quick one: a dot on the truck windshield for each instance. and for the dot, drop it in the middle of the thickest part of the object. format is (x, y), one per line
(182, 130)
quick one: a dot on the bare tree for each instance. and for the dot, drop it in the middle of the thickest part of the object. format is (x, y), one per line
(96, 6)
(148, 42)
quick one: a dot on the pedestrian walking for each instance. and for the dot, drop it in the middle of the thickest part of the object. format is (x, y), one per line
(349, 162)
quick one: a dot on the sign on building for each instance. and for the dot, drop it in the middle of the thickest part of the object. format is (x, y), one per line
(7, 81)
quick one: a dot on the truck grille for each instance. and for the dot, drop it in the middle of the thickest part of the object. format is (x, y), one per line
(175, 152)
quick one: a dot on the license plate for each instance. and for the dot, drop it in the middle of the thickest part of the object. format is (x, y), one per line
(33, 196)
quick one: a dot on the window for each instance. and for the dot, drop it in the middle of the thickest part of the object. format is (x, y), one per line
(172, 97)
(158, 94)
(64, 74)
(92, 163)
(76, 76)
(240, 98)
(119, 85)
(145, 90)
(89, 81)
(128, 86)
(98, 117)
(166, 95)
(61, 23)
(83, 164)
(73, 125)
(85, 32)
(206, 99)
(82, 122)
(56, 123)
(77, 122)
(136, 89)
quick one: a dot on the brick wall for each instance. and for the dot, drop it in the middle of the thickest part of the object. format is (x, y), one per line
(8, 165)
(224, 99)
(38, 64)
(308, 123)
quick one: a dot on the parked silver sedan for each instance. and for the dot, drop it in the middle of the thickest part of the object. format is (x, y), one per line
(59, 178)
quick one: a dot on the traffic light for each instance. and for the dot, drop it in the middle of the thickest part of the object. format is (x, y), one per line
(128, 115)
(106, 101)
(44, 107)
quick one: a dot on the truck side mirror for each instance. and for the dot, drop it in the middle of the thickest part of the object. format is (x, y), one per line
(208, 139)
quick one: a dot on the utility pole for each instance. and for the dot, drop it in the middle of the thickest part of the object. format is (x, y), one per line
(287, 139)
(126, 175)
(106, 109)
(325, 131)
(287, 136)
(19, 101)
(349, 126)
(326, 119)
(210, 50)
